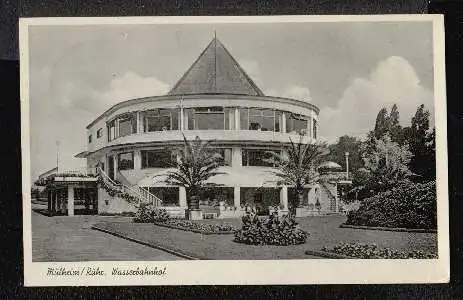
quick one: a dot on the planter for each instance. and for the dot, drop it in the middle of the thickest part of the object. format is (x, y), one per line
(194, 202)
(195, 214)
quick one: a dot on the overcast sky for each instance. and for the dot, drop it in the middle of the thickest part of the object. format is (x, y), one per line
(349, 70)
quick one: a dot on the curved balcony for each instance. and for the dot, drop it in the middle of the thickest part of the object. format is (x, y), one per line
(221, 136)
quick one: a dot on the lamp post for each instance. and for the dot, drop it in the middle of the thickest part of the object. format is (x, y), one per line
(347, 165)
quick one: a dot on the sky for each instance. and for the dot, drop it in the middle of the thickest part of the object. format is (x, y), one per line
(349, 70)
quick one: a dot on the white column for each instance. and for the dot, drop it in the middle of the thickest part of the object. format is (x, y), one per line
(70, 200)
(62, 204)
(237, 196)
(138, 122)
(182, 197)
(231, 119)
(185, 120)
(116, 161)
(236, 157)
(137, 160)
(283, 122)
(237, 119)
(284, 197)
(116, 130)
(182, 123)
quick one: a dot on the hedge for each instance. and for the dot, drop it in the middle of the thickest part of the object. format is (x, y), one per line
(408, 205)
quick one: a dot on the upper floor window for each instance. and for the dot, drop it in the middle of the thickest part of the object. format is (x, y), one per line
(209, 118)
(127, 124)
(257, 157)
(296, 124)
(158, 159)
(89, 138)
(161, 120)
(226, 155)
(264, 119)
(111, 130)
(99, 133)
(125, 161)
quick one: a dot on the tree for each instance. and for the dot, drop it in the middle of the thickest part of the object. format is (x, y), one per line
(338, 153)
(421, 140)
(382, 123)
(297, 166)
(385, 166)
(394, 127)
(197, 162)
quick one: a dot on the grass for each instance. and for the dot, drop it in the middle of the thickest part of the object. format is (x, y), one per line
(324, 231)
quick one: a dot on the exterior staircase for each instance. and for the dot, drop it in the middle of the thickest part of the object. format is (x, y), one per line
(134, 194)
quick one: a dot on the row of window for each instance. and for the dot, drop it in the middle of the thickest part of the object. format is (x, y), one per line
(210, 118)
(168, 159)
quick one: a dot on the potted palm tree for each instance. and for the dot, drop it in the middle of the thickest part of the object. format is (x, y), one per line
(297, 167)
(197, 162)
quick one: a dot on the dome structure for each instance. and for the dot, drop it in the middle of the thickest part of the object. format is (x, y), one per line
(330, 165)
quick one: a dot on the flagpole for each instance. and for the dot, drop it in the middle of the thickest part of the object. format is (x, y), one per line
(57, 155)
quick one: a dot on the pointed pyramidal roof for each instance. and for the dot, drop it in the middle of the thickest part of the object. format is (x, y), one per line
(215, 71)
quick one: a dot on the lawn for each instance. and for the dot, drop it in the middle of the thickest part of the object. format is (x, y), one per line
(324, 231)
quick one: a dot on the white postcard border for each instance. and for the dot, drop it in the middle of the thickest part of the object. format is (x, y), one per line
(322, 271)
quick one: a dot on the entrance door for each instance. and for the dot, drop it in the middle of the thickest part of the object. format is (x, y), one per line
(111, 167)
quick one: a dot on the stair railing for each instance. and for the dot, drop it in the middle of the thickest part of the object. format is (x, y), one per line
(141, 194)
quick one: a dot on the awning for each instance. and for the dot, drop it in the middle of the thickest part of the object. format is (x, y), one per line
(82, 154)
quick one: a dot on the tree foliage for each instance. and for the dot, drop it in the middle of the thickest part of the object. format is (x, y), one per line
(297, 166)
(422, 145)
(338, 153)
(197, 162)
(386, 164)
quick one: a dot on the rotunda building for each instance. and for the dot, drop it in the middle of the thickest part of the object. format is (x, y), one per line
(133, 141)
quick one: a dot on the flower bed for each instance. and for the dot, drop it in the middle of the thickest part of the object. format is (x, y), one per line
(364, 251)
(149, 214)
(273, 230)
(196, 226)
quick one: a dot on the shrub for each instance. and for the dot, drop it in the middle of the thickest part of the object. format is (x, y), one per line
(364, 251)
(408, 205)
(146, 213)
(272, 230)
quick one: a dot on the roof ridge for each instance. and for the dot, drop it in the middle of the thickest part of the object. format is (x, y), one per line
(214, 72)
(189, 69)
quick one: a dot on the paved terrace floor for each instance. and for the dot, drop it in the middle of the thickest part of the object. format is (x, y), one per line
(67, 238)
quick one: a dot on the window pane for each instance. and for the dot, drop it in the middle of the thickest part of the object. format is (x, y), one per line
(256, 158)
(168, 195)
(161, 119)
(188, 114)
(209, 121)
(158, 159)
(296, 124)
(128, 124)
(226, 154)
(111, 130)
(261, 119)
(243, 118)
(125, 161)
(278, 116)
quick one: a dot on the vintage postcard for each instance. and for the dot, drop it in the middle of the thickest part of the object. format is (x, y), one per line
(234, 150)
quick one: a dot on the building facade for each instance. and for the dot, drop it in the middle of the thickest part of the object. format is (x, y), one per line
(132, 142)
